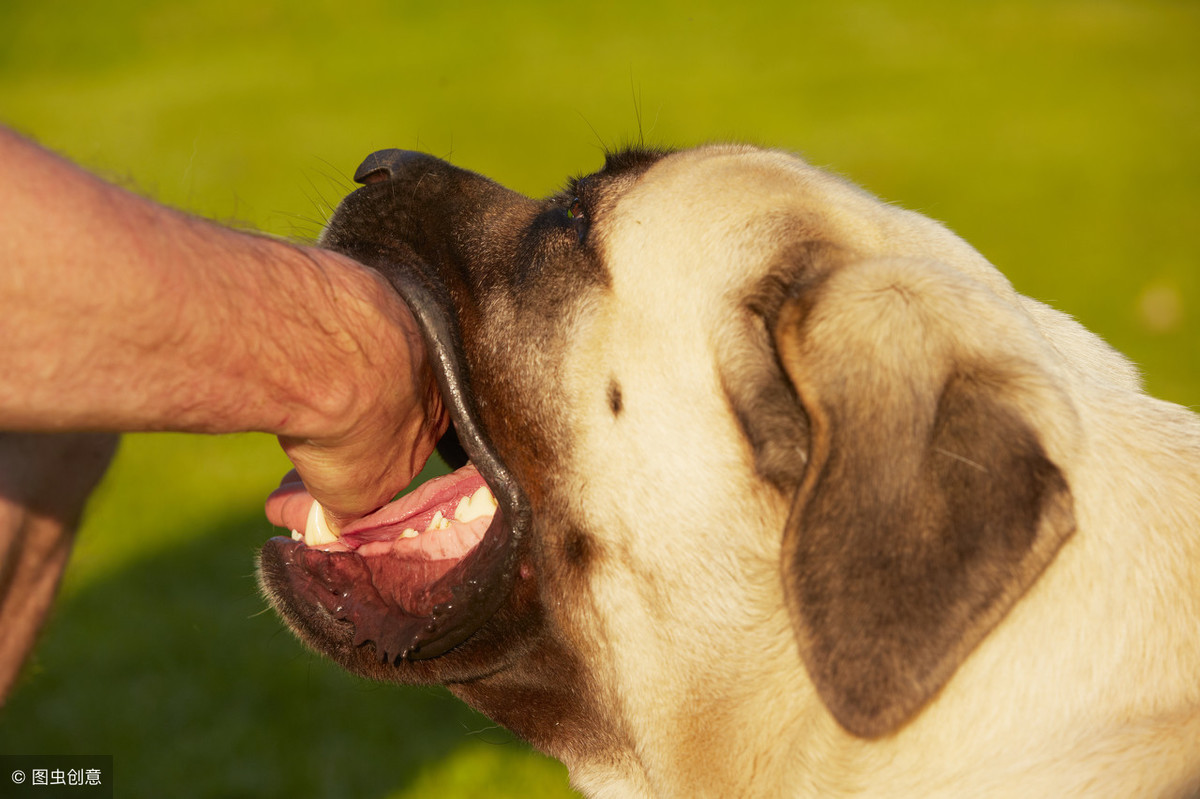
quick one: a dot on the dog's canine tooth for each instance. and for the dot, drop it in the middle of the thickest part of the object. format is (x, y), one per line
(318, 531)
(481, 503)
(460, 512)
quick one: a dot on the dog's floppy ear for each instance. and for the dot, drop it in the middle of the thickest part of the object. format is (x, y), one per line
(929, 503)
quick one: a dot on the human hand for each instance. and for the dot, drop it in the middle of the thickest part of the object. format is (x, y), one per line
(372, 450)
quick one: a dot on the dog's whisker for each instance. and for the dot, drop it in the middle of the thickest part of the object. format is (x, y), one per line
(337, 176)
(961, 459)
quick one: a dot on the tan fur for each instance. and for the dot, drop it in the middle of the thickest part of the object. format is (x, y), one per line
(1089, 685)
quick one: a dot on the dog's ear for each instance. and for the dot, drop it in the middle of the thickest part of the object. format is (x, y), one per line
(929, 503)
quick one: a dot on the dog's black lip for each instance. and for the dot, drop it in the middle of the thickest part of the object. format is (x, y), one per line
(490, 570)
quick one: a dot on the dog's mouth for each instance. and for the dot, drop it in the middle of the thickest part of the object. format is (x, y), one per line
(420, 576)
(414, 579)
(411, 579)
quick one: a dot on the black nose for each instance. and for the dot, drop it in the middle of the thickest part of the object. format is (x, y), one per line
(383, 165)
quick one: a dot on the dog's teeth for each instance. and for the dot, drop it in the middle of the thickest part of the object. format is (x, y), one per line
(438, 522)
(409, 533)
(318, 530)
(296, 536)
(481, 503)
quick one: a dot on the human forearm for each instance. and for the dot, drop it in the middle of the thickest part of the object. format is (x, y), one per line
(122, 314)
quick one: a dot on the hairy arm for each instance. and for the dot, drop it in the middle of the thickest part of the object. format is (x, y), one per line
(119, 314)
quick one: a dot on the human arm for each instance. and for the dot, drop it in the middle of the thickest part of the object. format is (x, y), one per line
(117, 313)
(45, 480)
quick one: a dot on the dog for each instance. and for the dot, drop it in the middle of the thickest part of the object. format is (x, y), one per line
(772, 489)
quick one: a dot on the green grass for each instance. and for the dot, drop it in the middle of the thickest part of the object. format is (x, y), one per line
(1060, 138)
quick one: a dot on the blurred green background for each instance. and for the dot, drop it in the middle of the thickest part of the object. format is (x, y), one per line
(1060, 138)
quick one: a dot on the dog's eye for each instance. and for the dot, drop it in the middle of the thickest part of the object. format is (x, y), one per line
(577, 213)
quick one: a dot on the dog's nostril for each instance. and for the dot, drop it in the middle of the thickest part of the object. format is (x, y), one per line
(374, 176)
(382, 165)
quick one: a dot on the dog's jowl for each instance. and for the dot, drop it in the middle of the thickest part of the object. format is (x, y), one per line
(766, 488)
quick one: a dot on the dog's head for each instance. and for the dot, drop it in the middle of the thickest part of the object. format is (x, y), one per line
(740, 419)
